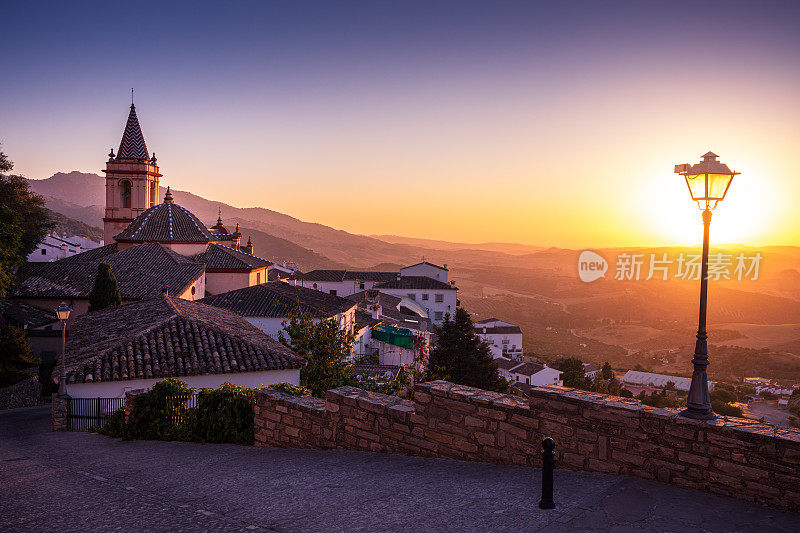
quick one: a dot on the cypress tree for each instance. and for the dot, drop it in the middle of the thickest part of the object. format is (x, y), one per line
(460, 356)
(105, 292)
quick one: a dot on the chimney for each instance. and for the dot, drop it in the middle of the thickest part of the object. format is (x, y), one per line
(376, 311)
(165, 290)
(249, 248)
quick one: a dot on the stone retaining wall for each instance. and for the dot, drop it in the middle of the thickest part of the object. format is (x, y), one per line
(730, 456)
(26, 393)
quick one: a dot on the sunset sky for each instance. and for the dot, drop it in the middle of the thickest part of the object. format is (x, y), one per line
(542, 123)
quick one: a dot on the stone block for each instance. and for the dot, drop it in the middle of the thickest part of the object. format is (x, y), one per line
(496, 414)
(602, 466)
(691, 458)
(738, 470)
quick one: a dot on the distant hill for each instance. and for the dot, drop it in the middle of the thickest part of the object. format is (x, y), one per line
(74, 228)
(626, 322)
(68, 192)
(74, 187)
(503, 247)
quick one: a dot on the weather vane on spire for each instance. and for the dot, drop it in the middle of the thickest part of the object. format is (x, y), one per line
(131, 95)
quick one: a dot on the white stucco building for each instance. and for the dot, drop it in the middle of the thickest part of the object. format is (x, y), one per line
(504, 338)
(54, 247)
(533, 374)
(425, 284)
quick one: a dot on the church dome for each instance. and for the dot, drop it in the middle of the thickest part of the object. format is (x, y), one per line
(166, 223)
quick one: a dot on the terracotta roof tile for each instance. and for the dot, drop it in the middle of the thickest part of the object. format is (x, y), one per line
(168, 337)
(278, 299)
(166, 222)
(221, 257)
(73, 277)
(415, 282)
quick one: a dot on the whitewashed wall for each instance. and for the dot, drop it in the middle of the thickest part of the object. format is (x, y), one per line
(117, 389)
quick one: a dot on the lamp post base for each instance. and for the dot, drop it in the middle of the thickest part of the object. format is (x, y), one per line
(699, 414)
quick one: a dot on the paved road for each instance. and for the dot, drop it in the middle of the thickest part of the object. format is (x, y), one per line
(86, 482)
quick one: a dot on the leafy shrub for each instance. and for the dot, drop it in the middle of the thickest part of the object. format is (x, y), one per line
(159, 413)
(223, 415)
(114, 427)
(294, 390)
(625, 393)
(723, 395)
(726, 409)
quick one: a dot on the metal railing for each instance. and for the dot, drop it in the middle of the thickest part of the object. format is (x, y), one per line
(86, 413)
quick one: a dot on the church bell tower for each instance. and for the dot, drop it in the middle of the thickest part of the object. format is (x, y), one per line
(131, 180)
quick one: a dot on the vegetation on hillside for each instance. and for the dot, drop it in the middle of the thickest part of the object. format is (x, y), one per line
(72, 228)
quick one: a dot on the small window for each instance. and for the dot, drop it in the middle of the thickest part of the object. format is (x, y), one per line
(425, 295)
(125, 191)
(44, 251)
(439, 298)
(361, 285)
(333, 292)
(412, 296)
(315, 285)
(194, 290)
(527, 381)
(152, 193)
(439, 315)
(258, 278)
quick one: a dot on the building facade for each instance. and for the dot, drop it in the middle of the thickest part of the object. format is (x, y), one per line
(504, 338)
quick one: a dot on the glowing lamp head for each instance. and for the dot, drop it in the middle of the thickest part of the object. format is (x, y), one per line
(63, 312)
(708, 180)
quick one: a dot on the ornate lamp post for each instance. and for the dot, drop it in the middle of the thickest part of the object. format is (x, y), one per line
(63, 314)
(708, 182)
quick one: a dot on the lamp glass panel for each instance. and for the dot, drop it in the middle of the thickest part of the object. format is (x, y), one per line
(697, 186)
(718, 185)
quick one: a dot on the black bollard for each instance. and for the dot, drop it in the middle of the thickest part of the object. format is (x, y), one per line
(548, 445)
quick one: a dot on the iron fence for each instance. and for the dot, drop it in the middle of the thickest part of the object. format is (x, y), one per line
(86, 413)
(178, 406)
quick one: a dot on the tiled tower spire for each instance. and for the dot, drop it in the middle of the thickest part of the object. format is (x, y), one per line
(132, 179)
(132, 145)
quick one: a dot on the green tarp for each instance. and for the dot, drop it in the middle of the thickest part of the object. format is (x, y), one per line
(398, 336)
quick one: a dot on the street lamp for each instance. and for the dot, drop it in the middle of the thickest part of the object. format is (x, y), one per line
(63, 314)
(708, 183)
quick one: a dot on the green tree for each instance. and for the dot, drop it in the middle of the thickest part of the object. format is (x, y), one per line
(573, 374)
(24, 222)
(607, 372)
(15, 355)
(324, 346)
(5, 163)
(460, 356)
(106, 291)
(10, 246)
